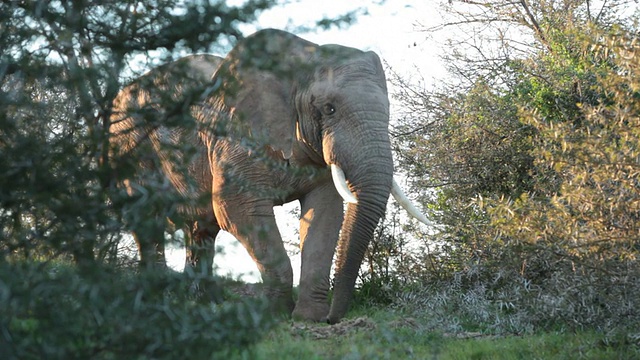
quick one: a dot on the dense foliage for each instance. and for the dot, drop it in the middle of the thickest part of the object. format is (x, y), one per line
(67, 287)
(528, 162)
(54, 312)
(61, 67)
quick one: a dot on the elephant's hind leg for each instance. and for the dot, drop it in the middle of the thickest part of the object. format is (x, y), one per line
(253, 223)
(148, 233)
(147, 225)
(200, 240)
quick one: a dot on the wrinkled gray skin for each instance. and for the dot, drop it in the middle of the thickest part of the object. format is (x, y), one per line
(280, 111)
(141, 138)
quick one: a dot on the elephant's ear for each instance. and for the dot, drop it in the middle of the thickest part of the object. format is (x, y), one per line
(258, 79)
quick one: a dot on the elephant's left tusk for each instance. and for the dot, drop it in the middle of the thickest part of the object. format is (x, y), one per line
(340, 182)
(402, 199)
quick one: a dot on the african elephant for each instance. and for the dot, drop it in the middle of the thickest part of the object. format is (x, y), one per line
(284, 119)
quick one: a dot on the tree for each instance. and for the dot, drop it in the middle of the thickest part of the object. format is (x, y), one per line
(69, 58)
(529, 158)
(590, 147)
(61, 213)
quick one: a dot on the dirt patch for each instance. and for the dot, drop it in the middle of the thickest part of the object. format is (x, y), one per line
(471, 335)
(347, 327)
(320, 331)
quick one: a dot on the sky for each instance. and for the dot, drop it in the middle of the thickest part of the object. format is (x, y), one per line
(389, 29)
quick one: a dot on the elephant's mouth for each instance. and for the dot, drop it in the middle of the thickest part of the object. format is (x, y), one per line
(340, 182)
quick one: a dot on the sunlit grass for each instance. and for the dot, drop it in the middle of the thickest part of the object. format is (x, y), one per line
(386, 334)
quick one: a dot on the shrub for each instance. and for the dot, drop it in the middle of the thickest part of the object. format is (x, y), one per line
(56, 312)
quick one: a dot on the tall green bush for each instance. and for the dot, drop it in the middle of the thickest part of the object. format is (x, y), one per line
(530, 167)
(53, 311)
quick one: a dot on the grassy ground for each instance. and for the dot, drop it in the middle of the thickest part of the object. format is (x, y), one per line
(384, 334)
(122, 314)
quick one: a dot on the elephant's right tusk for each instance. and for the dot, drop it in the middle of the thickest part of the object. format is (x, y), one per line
(340, 182)
(402, 199)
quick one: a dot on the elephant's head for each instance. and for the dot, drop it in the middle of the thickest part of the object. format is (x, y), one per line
(330, 103)
(342, 109)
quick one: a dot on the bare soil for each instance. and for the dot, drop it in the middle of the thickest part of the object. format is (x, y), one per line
(323, 331)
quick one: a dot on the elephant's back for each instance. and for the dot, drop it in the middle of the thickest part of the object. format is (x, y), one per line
(201, 66)
(152, 124)
(141, 107)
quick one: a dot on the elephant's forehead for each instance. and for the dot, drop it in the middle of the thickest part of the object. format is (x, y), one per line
(340, 83)
(349, 70)
(344, 66)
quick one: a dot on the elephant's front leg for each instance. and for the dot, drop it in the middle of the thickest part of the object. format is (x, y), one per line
(243, 200)
(320, 221)
(252, 221)
(255, 227)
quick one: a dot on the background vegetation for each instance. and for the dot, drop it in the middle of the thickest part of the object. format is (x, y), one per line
(527, 160)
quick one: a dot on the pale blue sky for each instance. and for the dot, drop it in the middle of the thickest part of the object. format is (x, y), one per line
(387, 29)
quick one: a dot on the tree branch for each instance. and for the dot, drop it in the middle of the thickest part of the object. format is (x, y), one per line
(536, 27)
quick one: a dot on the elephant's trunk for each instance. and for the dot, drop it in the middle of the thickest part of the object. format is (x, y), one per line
(371, 185)
(341, 185)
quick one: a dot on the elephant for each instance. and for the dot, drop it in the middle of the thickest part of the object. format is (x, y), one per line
(283, 119)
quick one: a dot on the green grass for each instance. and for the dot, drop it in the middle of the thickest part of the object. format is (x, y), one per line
(95, 313)
(384, 334)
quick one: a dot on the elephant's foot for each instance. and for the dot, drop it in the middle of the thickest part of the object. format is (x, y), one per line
(316, 312)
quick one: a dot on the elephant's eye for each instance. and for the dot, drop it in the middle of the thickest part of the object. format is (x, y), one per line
(328, 109)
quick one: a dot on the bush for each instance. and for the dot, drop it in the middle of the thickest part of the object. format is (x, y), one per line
(56, 312)
(505, 302)
(530, 169)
